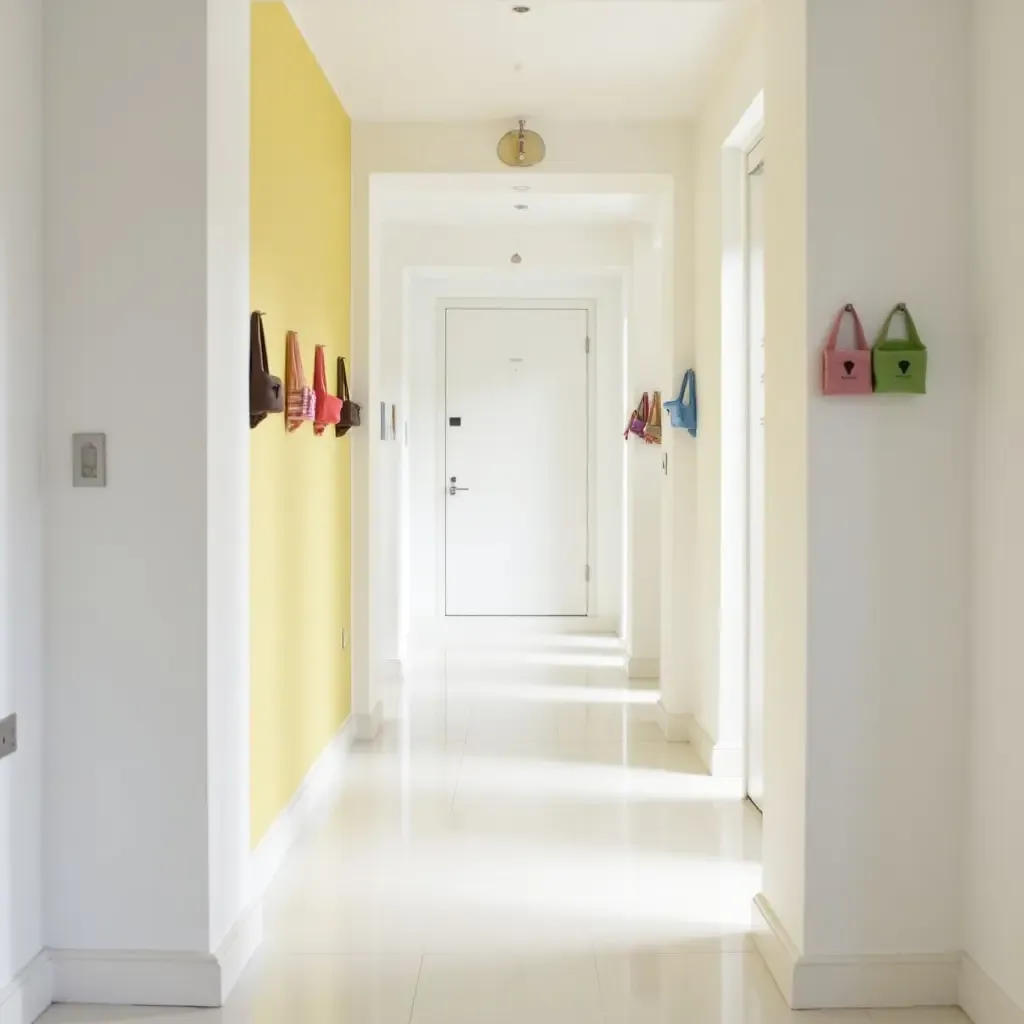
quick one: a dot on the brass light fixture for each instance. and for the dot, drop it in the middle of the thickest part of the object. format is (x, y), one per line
(522, 148)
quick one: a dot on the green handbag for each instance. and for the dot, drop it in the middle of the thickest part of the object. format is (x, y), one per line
(899, 365)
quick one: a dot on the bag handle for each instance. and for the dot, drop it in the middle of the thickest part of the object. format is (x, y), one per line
(912, 336)
(687, 379)
(691, 378)
(298, 376)
(319, 369)
(342, 381)
(860, 339)
(257, 345)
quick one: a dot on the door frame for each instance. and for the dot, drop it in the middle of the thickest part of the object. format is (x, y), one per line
(751, 168)
(544, 623)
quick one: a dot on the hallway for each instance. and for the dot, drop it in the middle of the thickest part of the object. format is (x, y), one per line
(519, 845)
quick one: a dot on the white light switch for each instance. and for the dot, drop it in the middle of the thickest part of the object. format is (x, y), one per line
(89, 453)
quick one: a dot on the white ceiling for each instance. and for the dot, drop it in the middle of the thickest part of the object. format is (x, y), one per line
(440, 60)
(492, 199)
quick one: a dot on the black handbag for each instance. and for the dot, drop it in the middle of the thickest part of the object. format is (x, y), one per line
(266, 393)
(349, 410)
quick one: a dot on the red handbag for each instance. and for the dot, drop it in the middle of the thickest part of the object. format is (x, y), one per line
(328, 408)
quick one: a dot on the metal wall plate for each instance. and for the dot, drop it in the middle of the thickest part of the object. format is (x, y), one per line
(8, 735)
(89, 460)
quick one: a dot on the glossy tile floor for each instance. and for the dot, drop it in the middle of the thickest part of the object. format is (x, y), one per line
(519, 846)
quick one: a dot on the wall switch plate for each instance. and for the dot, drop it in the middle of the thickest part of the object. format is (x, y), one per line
(89, 455)
(8, 735)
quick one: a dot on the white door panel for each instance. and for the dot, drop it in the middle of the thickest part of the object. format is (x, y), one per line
(516, 430)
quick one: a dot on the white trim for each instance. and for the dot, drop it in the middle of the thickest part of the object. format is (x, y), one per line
(983, 1000)
(777, 949)
(726, 761)
(136, 977)
(239, 947)
(27, 995)
(367, 727)
(321, 780)
(853, 982)
(675, 727)
(643, 668)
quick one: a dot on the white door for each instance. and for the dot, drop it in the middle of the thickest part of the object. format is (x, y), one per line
(755, 475)
(516, 451)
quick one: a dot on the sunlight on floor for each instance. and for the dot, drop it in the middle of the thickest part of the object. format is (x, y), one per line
(518, 846)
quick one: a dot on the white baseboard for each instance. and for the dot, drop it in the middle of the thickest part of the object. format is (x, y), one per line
(136, 977)
(853, 982)
(722, 760)
(239, 947)
(985, 1001)
(29, 992)
(675, 726)
(321, 779)
(368, 726)
(643, 668)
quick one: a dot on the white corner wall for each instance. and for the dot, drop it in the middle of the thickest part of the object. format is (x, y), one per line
(868, 198)
(995, 826)
(720, 605)
(21, 352)
(146, 277)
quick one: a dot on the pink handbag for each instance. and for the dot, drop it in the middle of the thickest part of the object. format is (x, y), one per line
(846, 371)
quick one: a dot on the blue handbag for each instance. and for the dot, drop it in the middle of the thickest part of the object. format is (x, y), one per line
(683, 413)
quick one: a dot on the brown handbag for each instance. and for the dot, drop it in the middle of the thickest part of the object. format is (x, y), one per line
(349, 410)
(266, 392)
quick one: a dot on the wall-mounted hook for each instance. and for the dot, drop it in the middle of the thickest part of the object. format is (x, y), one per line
(848, 308)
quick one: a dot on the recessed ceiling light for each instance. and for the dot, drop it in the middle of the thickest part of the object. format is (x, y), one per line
(521, 206)
(520, 9)
(520, 188)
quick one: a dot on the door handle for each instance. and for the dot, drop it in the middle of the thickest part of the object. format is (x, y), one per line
(452, 489)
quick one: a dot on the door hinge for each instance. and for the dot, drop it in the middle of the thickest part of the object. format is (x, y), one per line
(587, 574)
(586, 346)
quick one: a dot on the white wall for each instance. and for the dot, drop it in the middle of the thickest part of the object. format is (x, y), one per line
(227, 459)
(146, 277)
(868, 199)
(21, 342)
(428, 263)
(636, 148)
(721, 367)
(995, 894)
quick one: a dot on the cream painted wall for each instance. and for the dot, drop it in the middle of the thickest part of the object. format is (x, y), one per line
(637, 148)
(995, 833)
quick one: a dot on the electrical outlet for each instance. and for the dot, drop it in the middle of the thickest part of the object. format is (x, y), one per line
(8, 735)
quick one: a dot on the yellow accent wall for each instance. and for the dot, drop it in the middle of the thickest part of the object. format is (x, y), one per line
(300, 265)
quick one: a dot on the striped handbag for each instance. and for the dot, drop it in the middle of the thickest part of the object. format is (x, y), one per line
(300, 404)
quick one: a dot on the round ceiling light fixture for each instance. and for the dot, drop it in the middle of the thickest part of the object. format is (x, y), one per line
(516, 258)
(521, 206)
(520, 9)
(520, 188)
(522, 148)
